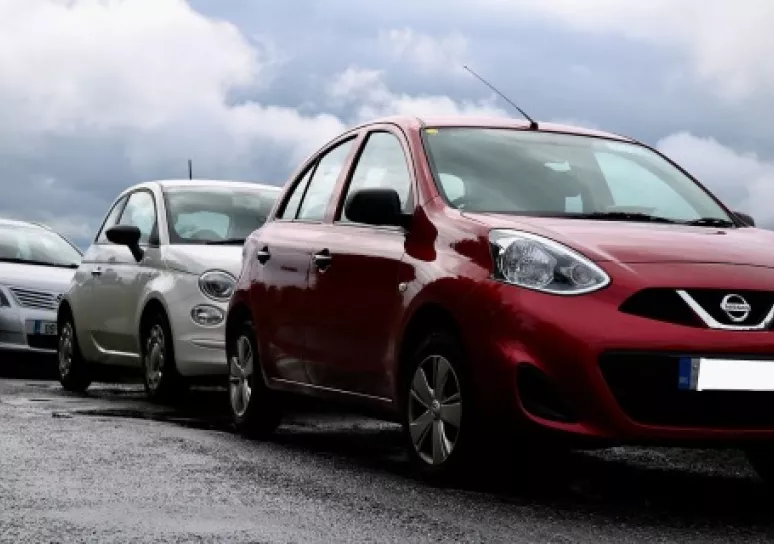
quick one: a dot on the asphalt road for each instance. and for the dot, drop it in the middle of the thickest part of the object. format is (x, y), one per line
(111, 467)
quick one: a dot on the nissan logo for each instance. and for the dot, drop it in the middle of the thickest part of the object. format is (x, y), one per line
(736, 307)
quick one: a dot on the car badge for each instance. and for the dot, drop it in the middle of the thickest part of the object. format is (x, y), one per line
(736, 307)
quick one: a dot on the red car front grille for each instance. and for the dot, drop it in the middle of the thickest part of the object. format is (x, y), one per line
(646, 388)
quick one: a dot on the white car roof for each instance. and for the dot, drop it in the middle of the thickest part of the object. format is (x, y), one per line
(170, 183)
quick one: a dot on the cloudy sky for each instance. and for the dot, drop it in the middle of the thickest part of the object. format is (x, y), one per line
(99, 94)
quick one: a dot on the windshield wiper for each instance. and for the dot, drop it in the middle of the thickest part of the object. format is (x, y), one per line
(711, 222)
(623, 216)
(225, 242)
(37, 263)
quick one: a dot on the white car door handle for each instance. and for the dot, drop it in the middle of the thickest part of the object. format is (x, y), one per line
(263, 255)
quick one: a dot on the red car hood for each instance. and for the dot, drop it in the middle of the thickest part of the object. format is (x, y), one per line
(646, 242)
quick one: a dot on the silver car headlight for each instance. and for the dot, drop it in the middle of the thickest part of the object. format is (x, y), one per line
(535, 262)
(217, 285)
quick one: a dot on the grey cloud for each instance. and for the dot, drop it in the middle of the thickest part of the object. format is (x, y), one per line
(256, 118)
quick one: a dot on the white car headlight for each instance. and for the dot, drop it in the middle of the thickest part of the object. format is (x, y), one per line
(217, 285)
(535, 262)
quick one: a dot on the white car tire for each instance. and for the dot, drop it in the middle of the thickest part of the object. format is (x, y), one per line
(73, 370)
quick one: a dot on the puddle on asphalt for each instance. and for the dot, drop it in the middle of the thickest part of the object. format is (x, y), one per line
(219, 424)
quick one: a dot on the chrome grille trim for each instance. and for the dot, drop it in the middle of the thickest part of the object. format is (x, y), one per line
(712, 323)
(37, 300)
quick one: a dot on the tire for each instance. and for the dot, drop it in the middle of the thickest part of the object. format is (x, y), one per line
(439, 421)
(255, 409)
(159, 370)
(73, 370)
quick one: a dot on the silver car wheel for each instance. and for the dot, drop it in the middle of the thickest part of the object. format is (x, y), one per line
(434, 410)
(155, 356)
(240, 374)
(65, 350)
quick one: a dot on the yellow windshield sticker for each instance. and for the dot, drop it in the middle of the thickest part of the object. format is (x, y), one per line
(432, 131)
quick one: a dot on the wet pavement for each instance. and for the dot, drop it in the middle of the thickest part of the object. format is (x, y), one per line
(110, 467)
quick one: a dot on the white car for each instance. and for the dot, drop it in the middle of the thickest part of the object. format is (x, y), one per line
(152, 290)
(36, 267)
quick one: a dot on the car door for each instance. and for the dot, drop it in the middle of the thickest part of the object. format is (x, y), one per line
(85, 304)
(120, 285)
(279, 292)
(355, 299)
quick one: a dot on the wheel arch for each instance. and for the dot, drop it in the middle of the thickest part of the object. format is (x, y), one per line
(238, 313)
(427, 317)
(63, 310)
(152, 304)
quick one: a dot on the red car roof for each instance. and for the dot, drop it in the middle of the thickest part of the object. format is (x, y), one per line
(414, 123)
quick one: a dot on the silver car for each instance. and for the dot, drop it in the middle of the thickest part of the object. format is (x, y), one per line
(36, 267)
(153, 288)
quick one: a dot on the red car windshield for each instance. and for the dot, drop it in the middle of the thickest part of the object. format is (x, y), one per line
(542, 173)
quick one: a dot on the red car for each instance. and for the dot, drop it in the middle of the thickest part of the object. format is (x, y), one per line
(472, 278)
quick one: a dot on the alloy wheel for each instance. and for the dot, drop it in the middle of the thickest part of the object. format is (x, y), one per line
(155, 356)
(434, 410)
(65, 353)
(240, 375)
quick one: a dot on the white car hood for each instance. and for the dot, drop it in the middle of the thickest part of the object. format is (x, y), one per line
(196, 259)
(30, 276)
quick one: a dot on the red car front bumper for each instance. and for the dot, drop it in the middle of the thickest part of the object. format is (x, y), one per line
(616, 375)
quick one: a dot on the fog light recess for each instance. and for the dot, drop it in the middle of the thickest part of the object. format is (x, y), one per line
(207, 316)
(540, 397)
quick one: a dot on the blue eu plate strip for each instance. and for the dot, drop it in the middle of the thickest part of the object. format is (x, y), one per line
(685, 374)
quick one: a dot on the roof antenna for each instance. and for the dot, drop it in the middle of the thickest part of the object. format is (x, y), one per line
(190, 169)
(532, 123)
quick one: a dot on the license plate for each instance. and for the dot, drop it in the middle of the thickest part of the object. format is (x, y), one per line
(713, 374)
(44, 328)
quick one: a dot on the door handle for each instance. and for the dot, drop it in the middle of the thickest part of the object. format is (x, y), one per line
(263, 255)
(322, 259)
(96, 272)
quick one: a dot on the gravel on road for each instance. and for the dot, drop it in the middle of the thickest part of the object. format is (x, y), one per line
(110, 467)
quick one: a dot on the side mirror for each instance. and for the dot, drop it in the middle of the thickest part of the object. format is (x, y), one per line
(746, 218)
(126, 235)
(378, 206)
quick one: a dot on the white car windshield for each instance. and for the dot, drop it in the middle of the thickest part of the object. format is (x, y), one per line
(540, 173)
(212, 215)
(33, 245)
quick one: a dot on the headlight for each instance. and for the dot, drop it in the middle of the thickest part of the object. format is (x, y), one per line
(217, 285)
(3, 300)
(534, 262)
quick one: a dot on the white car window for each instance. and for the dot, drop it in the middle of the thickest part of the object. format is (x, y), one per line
(140, 212)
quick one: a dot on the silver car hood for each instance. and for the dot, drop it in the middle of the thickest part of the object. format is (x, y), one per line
(36, 277)
(196, 259)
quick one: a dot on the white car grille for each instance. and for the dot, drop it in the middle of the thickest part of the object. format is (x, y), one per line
(38, 300)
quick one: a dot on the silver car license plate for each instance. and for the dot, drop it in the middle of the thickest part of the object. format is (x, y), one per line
(44, 328)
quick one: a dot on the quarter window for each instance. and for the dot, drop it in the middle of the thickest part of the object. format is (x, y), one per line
(381, 164)
(111, 220)
(140, 212)
(292, 204)
(323, 182)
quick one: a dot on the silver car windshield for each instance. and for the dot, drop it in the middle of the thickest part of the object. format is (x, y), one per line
(214, 215)
(30, 245)
(563, 175)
